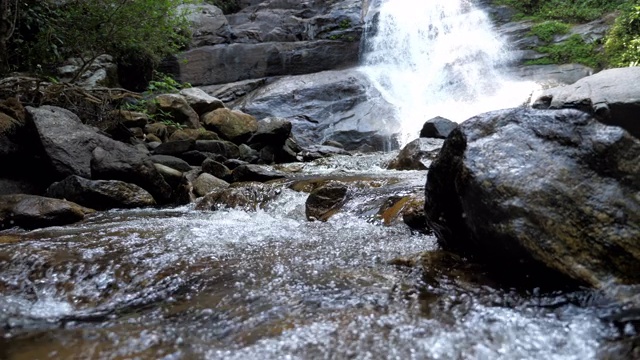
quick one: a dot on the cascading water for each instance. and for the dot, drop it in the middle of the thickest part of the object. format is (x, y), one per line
(438, 58)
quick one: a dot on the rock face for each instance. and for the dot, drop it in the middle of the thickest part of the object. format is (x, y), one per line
(31, 212)
(526, 190)
(613, 96)
(101, 194)
(330, 105)
(271, 38)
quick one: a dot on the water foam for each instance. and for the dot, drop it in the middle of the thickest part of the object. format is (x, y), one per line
(438, 58)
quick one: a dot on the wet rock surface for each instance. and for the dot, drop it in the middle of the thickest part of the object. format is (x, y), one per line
(526, 189)
(100, 194)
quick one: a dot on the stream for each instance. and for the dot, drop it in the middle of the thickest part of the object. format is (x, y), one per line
(269, 284)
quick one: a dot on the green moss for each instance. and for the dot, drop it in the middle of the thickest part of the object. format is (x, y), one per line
(578, 11)
(547, 30)
(573, 50)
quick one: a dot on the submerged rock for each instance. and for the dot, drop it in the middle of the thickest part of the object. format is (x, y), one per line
(246, 195)
(325, 201)
(530, 190)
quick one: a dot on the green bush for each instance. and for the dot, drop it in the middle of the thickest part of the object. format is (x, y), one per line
(85, 29)
(567, 10)
(622, 45)
(547, 30)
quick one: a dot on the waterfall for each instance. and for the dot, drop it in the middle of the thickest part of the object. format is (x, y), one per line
(433, 58)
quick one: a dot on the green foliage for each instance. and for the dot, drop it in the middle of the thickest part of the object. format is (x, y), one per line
(622, 46)
(567, 10)
(88, 28)
(345, 24)
(572, 50)
(547, 30)
(227, 6)
(163, 83)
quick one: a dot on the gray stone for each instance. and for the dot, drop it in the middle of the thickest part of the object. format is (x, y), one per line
(613, 96)
(100, 194)
(529, 192)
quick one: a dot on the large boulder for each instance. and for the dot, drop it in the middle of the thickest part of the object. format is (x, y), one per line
(528, 191)
(231, 125)
(612, 95)
(118, 161)
(100, 194)
(177, 107)
(31, 212)
(67, 142)
(330, 105)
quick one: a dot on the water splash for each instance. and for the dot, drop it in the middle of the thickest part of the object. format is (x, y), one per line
(438, 58)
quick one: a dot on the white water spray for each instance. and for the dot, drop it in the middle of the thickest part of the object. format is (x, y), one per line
(433, 58)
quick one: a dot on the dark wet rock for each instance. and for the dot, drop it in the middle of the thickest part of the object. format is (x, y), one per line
(222, 64)
(414, 216)
(249, 196)
(257, 173)
(118, 161)
(234, 163)
(31, 212)
(325, 201)
(528, 191)
(172, 162)
(175, 148)
(21, 186)
(206, 183)
(315, 152)
(248, 154)
(613, 96)
(100, 194)
(200, 101)
(271, 131)
(67, 142)
(220, 147)
(177, 106)
(184, 193)
(216, 169)
(330, 105)
(417, 155)
(172, 176)
(438, 128)
(195, 157)
(231, 125)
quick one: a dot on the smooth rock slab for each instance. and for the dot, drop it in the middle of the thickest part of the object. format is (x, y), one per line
(530, 191)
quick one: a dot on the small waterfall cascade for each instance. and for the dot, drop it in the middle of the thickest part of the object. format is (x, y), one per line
(433, 58)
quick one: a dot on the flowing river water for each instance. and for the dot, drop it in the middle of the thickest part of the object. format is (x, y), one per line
(180, 283)
(268, 284)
